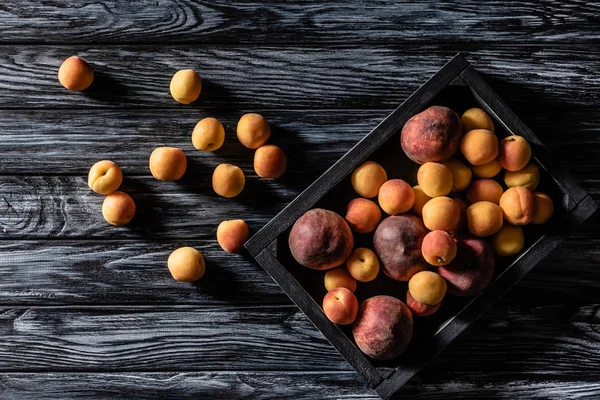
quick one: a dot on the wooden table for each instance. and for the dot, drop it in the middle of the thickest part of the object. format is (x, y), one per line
(89, 310)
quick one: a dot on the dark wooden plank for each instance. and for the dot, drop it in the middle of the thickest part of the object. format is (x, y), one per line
(252, 22)
(556, 78)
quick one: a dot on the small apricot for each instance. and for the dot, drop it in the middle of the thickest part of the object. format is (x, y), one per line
(484, 190)
(368, 178)
(231, 235)
(518, 205)
(441, 213)
(509, 240)
(479, 146)
(228, 180)
(484, 218)
(435, 179)
(269, 161)
(514, 153)
(528, 177)
(461, 174)
(476, 118)
(253, 130)
(420, 200)
(544, 208)
(186, 86)
(396, 197)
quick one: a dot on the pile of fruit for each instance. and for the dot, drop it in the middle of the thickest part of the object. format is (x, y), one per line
(186, 264)
(441, 235)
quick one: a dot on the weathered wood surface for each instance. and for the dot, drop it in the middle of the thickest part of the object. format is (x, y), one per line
(556, 78)
(163, 21)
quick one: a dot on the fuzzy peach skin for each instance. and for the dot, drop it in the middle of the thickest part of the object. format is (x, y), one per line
(118, 208)
(514, 153)
(208, 134)
(228, 180)
(484, 190)
(75, 74)
(509, 240)
(396, 197)
(544, 208)
(168, 163)
(438, 248)
(518, 205)
(435, 179)
(363, 264)
(420, 200)
(441, 213)
(383, 328)
(253, 130)
(420, 309)
(488, 170)
(368, 178)
(186, 86)
(479, 146)
(397, 241)
(231, 235)
(432, 135)
(363, 215)
(476, 118)
(339, 277)
(528, 177)
(484, 218)
(186, 264)
(461, 174)
(105, 177)
(340, 306)
(270, 161)
(320, 239)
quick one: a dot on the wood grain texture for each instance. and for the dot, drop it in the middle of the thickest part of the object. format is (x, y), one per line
(556, 78)
(111, 21)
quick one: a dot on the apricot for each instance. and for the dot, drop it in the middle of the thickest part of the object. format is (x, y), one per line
(339, 277)
(462, 219)
(427, 287)
(253, 130)
(363, 264)
(228, 180)
(420, 200)
(484, 190)
(118, 208)
(232, 235)
(509, 240)
(186, 264)
(476, 118)
(544, 208)
(396, 197)
(168, 163)
(479, 146)
(488, 170)
(105, 177)
(441, 213)
(368, 179)
(518, 205)
(186, 86)
(208, 134)
(340, 306)
(75, 74)
(438, 248)
(484, 218)
(363, 215)
(461, 174)
(435, 179)
(514, 153)
(420, 309)
(528, 177)
(269, 161)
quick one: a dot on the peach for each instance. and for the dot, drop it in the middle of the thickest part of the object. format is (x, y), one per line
(75, 74)
(441, 213)
(488, 170)
(363, 264)
(186, 264)
(269, 161)
(186, 86)
(208, 134)
(105, 177)
(363, 215)
(231, 235)
(118, 208)
(396, 197)
(476, 118)
(420, 200)
(339, 277)
(320, 239)
(484, 190)
(432, 135)
(544, 208)
(461, 174)
(383, 328)
(462, 218)
(438, 248)
(368, 179)
(509, 240)
(168, 163)
(420, 309)
(514, 153)
(484, 218)
(528, 177)
(228, 180)
(340, 306)
(253, 130)
(435, 179)
(518, 205)
(427, 287)
(479, 146)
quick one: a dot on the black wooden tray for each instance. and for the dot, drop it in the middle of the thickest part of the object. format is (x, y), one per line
(458, 86)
